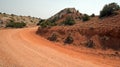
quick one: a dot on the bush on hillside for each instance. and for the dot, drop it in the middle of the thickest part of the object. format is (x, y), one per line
(46, 24)
(16, 25)
(40, 22)
(69, 21)
(19, 25)
(69, 40)
(68, 11)
(54, 19)
(85, 17)
(12, 15)
(31, 21)
(10, 24)
(43, 24)
(50, 23)
(90, 44)
(53, 37)
(4, 13)
(93, 15)
(109, 9)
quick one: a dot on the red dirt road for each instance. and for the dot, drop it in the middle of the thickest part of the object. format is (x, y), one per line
(23, 48)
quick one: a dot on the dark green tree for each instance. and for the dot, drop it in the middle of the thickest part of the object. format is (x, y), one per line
(93, 15)
(85, 17)
(109, 9)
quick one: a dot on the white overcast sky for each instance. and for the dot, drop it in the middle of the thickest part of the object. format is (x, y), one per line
(46, 8)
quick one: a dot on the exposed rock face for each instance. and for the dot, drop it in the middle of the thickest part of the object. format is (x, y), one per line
(66, 11)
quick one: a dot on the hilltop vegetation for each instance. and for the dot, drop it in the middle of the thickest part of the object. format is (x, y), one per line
(109, 9)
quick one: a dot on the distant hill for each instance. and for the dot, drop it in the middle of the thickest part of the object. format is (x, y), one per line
(7, 18)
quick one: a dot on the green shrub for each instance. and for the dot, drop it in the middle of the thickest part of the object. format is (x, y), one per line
(50, 23)
(43, 24)
(69, 40)
(4, 13)
(54, 19)
(93, 15)
(46, 24)
(16, 25)
(69, 21)
(10, 24)
(90, 44)
(40, 22)
(12, 15)
(109, 9)
(31, 20)
(85, 17)
(68, 11)
(19, 25)
(53, 37)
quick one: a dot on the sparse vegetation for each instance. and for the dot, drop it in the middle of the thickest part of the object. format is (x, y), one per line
(69, 40)
(12, 15)
(68, 11)
(109, 10)
(40, 22)
(46, 24)
(43, 24)
(93, 15)
(54, 20)
(69, 21)
(53, 37)
(4, 13)
(15, 24)
(90, 44)
(85, 17)
(12, 20)
(96, 33)
(31, 21)
(1, 22)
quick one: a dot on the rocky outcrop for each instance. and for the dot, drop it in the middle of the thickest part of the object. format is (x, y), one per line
(63, 14)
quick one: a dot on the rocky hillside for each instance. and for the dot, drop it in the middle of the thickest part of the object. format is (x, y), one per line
(65, 13)
(100, 33)
(7, 18)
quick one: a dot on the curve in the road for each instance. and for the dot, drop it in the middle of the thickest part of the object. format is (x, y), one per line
(23, 48)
